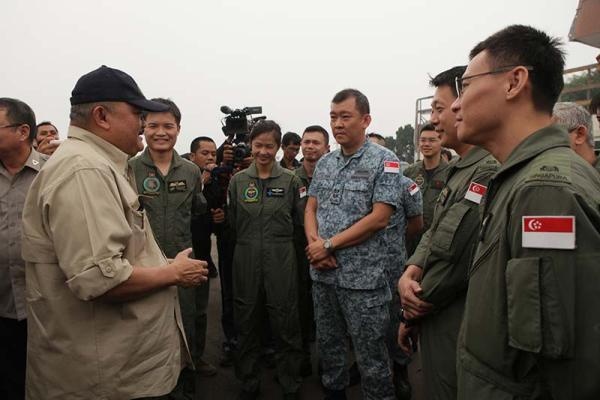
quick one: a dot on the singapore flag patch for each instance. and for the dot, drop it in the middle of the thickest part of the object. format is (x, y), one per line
(391, 166)
(548, 232)
(413, 189)
(475, 192)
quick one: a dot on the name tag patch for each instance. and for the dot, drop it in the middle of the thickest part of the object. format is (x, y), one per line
(275, 192)
(361, 174)
(548, 232)
(392, 167)
(177, 186)
(476, 192)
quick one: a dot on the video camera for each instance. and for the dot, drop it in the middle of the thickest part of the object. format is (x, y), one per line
(237, 126)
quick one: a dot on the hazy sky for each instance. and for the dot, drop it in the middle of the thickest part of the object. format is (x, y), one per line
(289, 57)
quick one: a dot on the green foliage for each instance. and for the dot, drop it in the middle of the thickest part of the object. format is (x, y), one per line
(403, 144)
(581, 80)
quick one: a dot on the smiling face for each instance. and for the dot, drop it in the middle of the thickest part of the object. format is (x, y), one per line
(161, 131)
(442, 116)
(313, 146)
(430, 144)
(264, 149)
(481, 104)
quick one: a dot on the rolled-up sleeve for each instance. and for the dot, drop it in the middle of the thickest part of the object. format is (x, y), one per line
(86, 219)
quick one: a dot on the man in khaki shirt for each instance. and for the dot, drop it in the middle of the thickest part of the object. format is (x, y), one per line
(19, 164)
(103, 313)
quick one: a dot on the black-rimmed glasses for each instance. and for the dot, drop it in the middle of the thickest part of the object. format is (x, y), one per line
(459, 81)
(11, 125)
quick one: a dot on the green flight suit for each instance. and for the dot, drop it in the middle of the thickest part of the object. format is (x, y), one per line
(305, 304)
(597, 164)
(531, 328)
(264, 214)
(431, 184)
(172, 202)
(444, 253)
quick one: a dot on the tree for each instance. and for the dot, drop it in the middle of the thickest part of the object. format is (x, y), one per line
(405, 143)
(580, 81)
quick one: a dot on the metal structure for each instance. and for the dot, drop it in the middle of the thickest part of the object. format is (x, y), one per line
(422, 111)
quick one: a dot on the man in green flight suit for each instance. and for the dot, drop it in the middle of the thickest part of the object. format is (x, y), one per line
(531, 328)
(430, 174)
(170, 190)
(314, 143)
(441, 261)
(265, 211)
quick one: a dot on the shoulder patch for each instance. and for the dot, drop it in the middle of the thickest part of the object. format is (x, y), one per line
(550, 168)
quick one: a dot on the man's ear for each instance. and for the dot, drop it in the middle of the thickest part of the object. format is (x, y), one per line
(24, 131)
(99, 116)
(517, 81)
(580, 135)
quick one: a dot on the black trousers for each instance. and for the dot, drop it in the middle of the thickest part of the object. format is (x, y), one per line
(13, 353)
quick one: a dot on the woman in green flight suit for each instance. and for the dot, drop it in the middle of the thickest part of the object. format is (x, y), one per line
(265, 208)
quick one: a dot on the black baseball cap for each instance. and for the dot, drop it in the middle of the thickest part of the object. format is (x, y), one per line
(109, 84)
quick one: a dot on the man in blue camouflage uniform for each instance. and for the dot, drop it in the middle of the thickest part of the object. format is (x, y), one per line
(406, 224)
(352, 197)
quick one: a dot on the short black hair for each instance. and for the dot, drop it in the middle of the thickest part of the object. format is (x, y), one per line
(447, 152)
(317, 128)
(595, 104)
(448, 78)
(196, 142)
(290, 138)
(173, 109)
(18, 112)
(45, 123)
(526, 46)
(266, 126)
(362, 103)
(428, 127)
(375, 135)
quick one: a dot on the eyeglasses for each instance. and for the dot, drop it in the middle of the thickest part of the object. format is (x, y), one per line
(458, 82)
(11, 125)
(428, 140)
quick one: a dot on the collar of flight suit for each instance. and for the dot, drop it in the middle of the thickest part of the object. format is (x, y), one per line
(474, 155)
(176, 161)
(300, 172)
(544, 139)
(276, 170)
(109, 151)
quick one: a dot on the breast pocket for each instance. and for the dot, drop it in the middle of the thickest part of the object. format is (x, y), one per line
(446, 232)
(357, 196)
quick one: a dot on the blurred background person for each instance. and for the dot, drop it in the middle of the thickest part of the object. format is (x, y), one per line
(46, 139)
(203, 152)
(290, 144)
(578, 123)
(430, 174)
(314, 144)
(19, 164)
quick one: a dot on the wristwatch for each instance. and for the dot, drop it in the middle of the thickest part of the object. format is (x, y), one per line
(327, 245)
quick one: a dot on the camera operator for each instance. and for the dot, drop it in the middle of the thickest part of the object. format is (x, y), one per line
(203, 152)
